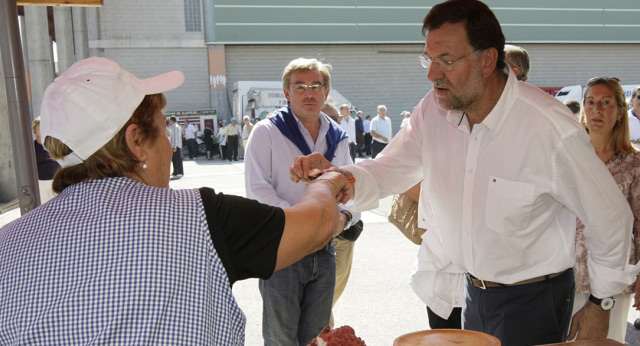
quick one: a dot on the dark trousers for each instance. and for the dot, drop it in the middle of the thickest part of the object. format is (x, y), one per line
(531, 314)
(176, 159)
(453, 322)
(367, 143)
(376, 148)
(360, 143)
(192, 145)
(352, 151)
(232, 147)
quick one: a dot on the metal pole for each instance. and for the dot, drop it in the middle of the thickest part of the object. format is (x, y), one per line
(18, 107)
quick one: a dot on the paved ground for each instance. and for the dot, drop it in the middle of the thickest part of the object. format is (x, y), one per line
(378, 302)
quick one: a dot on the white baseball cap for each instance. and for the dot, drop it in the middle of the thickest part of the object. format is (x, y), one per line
(88, 104)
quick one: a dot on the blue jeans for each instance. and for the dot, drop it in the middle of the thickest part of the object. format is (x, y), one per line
(296, 301)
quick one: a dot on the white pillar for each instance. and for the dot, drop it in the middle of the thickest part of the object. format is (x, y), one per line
(64, 37)
(80, 33)
(92, 14)
(40, 54)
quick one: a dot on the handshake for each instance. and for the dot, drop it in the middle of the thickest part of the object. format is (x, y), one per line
(315, 168)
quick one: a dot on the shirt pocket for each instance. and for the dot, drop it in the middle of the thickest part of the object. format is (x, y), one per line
(509, 205)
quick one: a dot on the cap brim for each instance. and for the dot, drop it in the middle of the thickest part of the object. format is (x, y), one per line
(163, 83)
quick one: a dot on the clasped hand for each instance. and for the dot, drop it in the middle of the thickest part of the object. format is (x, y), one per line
(307, 168)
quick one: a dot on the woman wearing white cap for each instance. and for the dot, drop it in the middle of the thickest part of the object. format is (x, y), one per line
(118, 257)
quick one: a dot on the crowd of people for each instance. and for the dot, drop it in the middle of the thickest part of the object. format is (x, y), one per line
(532, 213)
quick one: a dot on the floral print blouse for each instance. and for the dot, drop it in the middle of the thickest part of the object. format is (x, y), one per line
(625, 169)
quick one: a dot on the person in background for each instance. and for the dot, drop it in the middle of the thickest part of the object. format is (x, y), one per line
(296, 300)
(405, 118)
(604, 116)
(634, 116)
(348, 124)
(330, 110)
(517, 59)
(208, 141)
(359, 133)
(511, 228)
(190, 132)
(574, 106)
(246, 131)
(118, 257)
(231, 132)
(222, 139)
(175, 139)
(47, 167)
(380, 131)
(367, 135)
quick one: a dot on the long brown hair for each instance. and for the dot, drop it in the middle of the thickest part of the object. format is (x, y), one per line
(114, 159)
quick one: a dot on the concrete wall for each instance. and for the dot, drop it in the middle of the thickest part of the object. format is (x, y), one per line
(149, 62)
(150, 38)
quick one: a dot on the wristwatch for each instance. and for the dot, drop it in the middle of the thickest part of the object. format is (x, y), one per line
(605, 304)
(347, 224)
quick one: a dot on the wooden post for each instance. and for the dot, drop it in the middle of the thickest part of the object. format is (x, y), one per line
(60, 2)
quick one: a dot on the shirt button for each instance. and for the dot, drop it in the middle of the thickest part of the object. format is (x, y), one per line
(466, 234)
(470, 171)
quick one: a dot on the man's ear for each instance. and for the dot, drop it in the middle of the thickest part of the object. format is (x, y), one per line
(489, 61)
(135, 142)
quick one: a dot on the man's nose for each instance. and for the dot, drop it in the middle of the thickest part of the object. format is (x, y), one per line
(434, 72)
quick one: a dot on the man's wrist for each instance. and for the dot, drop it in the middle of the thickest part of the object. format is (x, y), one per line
(348, 218)
(605, 304)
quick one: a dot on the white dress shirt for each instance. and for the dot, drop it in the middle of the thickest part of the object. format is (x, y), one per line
(382, 127)
(367, 125)
(269, 155)
(634, 126)
(175, 136)
(349, 128)
(190, 132)
(506, 195)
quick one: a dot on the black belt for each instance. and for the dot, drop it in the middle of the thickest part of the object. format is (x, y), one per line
(484, 284)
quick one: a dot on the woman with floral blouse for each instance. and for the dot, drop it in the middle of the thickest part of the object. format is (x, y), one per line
(604, 114)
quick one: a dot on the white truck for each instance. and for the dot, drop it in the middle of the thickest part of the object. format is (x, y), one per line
(259, 98)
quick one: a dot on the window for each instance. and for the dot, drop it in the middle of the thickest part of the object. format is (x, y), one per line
(192, 16)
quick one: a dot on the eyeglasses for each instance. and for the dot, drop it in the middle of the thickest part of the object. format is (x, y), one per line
(444, 65)
(603, 80)
(299, 87)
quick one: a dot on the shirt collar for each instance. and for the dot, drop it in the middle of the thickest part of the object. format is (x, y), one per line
(324, 124)
(498, 115)
(496, 118)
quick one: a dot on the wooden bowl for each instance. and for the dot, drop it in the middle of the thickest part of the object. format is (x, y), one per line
(446, 337)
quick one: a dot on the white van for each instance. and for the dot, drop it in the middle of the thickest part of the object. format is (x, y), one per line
(576, 92)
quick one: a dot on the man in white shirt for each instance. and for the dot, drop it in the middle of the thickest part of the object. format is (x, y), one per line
(348, 124)
(296, 300)
(175, 138)
(634, 116)
(190, 135)
(506, 170)
(380, 131)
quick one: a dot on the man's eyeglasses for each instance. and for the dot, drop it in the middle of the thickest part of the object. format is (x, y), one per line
(298, 87)
(603, 80)
(444, 65)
